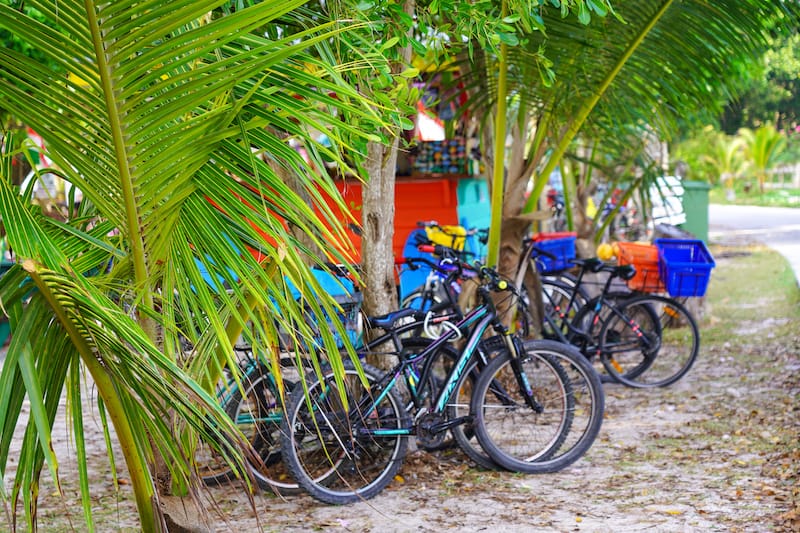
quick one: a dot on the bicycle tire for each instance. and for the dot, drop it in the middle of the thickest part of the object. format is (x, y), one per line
(561, 302)
(258, 414)
(585, 327)
(323, 447)
(588, 402)
(515, 435)
(569, 280)
(212, 467)
(652, 341)
(461, 406)
(256, 409)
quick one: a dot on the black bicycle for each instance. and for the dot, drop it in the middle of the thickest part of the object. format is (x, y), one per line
(345, 439)
(641, 340)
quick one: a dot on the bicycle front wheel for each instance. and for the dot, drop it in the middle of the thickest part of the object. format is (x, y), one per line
(649, 341)
(587, 402)
(523, 410)
(344, 442)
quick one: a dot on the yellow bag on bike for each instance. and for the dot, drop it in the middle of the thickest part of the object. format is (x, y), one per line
(451, 236)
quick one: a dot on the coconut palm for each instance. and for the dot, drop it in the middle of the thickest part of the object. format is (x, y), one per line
(653, 63)
(763, 148)
(173, 120)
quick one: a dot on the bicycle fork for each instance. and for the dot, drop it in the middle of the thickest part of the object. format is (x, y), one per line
(515, 345)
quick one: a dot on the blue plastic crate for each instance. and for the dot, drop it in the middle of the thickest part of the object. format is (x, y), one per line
(684, 265)
(561, 245)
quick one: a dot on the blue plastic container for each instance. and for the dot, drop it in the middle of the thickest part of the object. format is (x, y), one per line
(5, 327)
(685, 266)
(561, 245)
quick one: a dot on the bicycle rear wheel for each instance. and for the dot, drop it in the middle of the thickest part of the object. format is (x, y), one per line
(650, 341)
(257, 411)
(329, 445)
(518, 436)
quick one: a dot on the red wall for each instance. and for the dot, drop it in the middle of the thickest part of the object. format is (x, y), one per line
(415, 199)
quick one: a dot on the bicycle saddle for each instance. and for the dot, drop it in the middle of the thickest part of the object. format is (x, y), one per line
(626, 272)
(387, 321)
(594, 264)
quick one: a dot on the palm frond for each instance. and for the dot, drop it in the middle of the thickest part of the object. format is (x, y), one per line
(175, 125)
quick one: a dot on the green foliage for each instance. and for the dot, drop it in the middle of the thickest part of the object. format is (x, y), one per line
(763, 148)
(485, 25)
(735, 161)
(11, 41)
(746, 192)
(771, 92)
(712, 156)
(177, 134)
(653, 65)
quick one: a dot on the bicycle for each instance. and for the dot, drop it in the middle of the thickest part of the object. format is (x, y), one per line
(250, 393)
(641, 340)
(344, 440)
(447, 268)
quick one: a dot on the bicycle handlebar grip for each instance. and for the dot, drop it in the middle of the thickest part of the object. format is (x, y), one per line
(427, 223)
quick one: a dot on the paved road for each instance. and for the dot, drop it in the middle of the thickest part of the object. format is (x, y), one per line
(776, 227)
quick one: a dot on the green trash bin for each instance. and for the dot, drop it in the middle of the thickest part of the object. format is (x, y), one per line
(695, 205)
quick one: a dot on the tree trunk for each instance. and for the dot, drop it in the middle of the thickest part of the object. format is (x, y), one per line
(377, 215)
(377, 219)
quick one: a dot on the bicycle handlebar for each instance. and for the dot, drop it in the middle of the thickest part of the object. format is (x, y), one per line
(455, 267)
(445, 266)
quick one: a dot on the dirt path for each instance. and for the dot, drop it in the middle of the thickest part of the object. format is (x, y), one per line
(718, 451)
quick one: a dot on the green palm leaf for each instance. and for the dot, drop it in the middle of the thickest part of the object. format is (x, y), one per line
(174, 125)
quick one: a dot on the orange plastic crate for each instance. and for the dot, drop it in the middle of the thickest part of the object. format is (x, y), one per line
(644, 257)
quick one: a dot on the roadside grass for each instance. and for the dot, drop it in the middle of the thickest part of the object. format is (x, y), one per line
(752, 291)
(784, 197)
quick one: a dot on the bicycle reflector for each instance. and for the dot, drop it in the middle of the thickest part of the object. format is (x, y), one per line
(502, 285)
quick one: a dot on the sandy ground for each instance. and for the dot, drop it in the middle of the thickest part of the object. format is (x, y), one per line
(718, 451)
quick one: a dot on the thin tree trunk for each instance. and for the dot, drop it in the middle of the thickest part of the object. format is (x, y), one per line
(377, 255)
(377, 216)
